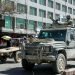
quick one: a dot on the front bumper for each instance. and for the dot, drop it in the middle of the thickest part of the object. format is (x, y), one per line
(36, 54)
(36, 59)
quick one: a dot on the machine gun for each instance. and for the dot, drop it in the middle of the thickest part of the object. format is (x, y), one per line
(56, 22)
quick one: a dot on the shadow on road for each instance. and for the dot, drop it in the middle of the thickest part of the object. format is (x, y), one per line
(13, 71)
(43, 70)
(20, 71)
(38, 70)
(8, 62)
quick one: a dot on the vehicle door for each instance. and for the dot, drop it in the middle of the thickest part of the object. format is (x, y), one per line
(70, 44)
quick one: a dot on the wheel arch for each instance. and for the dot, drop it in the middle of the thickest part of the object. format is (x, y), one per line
(63, 52)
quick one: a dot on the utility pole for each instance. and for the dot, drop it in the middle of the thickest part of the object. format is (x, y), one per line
(26, 19)
(65, 9)
(54, 8)
(42, 20)
(26, 14)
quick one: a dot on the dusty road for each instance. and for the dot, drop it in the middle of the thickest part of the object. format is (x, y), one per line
(11, 68)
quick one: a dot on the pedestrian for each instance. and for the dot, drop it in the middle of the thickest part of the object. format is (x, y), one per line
(8, 43)
(24, 40)
(23, 45)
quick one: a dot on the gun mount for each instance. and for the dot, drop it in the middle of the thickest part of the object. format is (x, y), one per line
(58, 24)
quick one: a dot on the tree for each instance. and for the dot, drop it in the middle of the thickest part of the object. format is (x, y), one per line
(7, 6)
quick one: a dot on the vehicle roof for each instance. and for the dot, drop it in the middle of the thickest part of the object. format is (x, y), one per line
(58, 28)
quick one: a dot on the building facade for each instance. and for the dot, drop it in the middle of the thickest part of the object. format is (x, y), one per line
(30, 15)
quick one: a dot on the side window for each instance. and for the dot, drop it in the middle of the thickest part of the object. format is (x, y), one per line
(45, 34)
(68, 36)
(72, 35)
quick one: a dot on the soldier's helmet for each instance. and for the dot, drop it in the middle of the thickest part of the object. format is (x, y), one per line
(68, 17)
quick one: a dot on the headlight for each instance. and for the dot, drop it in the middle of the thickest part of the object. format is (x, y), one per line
(47, 48)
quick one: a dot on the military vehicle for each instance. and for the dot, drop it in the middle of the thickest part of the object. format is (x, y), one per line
(53, 46)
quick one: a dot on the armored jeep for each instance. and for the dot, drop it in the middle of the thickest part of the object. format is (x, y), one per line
(54, 46)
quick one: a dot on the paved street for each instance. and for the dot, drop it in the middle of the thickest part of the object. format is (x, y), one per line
(11, 68)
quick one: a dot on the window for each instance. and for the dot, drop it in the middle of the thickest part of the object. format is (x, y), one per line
(69, 10)
(48, 25)
(33, 11)
(57, 16)
(50, 3)
(50, 14)
(64, 8)
(21, 8)
(20, 23)
(73, 2)
(42, 13)
(31, 25)
(42, 2)
(40, 24)
(73, 11)
(57, 35)
(34, 1)
(70, 1)
(8, 22)
(57, 6)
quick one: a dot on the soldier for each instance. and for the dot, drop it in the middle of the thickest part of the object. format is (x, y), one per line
(30, 39)
(69, 20)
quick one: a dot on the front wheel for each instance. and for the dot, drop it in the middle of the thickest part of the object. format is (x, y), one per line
(16, 57)
(3, 59)
(60, 64)
(27, 65)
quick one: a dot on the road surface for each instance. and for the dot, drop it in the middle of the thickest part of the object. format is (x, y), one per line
(11, 68)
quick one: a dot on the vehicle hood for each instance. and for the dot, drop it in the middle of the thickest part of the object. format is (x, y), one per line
(37, 43)
(48, 42)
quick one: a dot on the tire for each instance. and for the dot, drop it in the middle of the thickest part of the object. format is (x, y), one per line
(27, 65)
(60, 64)
(3, 59)
(16, 57)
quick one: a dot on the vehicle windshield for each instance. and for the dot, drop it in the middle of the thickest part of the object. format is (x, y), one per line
(57, 35)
